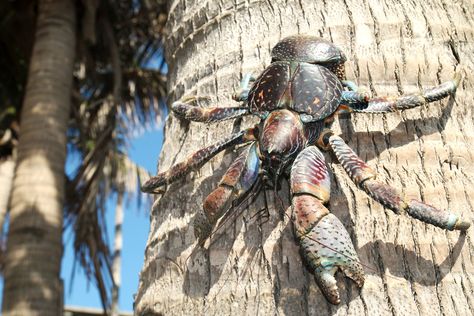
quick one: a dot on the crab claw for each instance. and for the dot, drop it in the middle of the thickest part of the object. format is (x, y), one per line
(327, 247)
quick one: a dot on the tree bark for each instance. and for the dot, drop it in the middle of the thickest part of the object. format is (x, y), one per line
(7, 167)
(34, 249)
(117, 257)
(252, 267)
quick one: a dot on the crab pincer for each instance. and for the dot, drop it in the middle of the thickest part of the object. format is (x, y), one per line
(325, 244)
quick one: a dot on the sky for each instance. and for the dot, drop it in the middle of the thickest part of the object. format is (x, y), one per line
(144, 151)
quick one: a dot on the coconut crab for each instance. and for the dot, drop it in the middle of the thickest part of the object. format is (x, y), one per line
(296, 98)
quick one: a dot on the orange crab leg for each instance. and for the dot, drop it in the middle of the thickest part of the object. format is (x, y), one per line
(237, 180)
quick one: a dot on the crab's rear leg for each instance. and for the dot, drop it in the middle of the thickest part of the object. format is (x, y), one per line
(325, 243)
(358, 101)
(196, 160)
(238, 179)
(365, 178)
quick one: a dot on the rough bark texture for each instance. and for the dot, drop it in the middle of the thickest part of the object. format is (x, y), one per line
(7, 167)
(253, 268)
(34, 248)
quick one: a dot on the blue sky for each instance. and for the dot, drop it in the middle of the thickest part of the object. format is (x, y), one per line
(144, 151)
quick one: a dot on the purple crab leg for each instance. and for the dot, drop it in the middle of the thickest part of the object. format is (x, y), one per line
(325, 243)
(238, 179)
(365, 178)
(196, 160)
(210, 114)
(184, 109)
(360, 102)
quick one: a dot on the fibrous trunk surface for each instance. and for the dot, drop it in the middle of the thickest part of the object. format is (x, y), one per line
(253, 265)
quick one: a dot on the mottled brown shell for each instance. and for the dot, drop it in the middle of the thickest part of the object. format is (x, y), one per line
(309, 49)
(311, 90)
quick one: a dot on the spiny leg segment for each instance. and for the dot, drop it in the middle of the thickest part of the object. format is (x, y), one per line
(325, 243)
(190, 112)
(360, 102)
(365, 178)
(184, 108)
(196, 160)
(238, 179)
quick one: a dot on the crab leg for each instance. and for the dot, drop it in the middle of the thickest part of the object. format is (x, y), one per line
(360, 101)
(243, 92)
(325, 243)
(196, 160)
(211, 114)
(184, 109)
(365, 178)
(238, 179)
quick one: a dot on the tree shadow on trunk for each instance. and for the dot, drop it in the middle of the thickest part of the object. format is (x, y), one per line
(247, 221)
(412, 128)
(40, 279)
(404, 263)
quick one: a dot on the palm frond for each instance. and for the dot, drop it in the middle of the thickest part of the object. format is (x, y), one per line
(117, 93)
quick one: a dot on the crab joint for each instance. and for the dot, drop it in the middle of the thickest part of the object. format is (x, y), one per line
(323, 140)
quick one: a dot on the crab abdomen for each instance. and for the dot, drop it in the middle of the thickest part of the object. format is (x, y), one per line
(311, 90)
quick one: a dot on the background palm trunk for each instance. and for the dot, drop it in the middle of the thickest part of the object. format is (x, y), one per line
(117, 257)
(7, 167)
(34, 248)
(392, 47)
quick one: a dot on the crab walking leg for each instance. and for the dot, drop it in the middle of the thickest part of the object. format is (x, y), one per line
(243, 92)
(360, 101)
(325, 243)
(184, 109)
(238, 179)
(211, 114)
(196, 160)
(365, 178)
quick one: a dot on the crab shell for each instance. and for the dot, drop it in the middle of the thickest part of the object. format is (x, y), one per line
(308, 49)
(304, 76)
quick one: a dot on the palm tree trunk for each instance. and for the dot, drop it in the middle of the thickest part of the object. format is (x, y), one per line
(7, 167)
(116, 261)
(252, 267)
(34, 249)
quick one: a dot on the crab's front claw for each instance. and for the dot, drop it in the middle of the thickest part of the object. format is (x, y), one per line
(328, 247)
